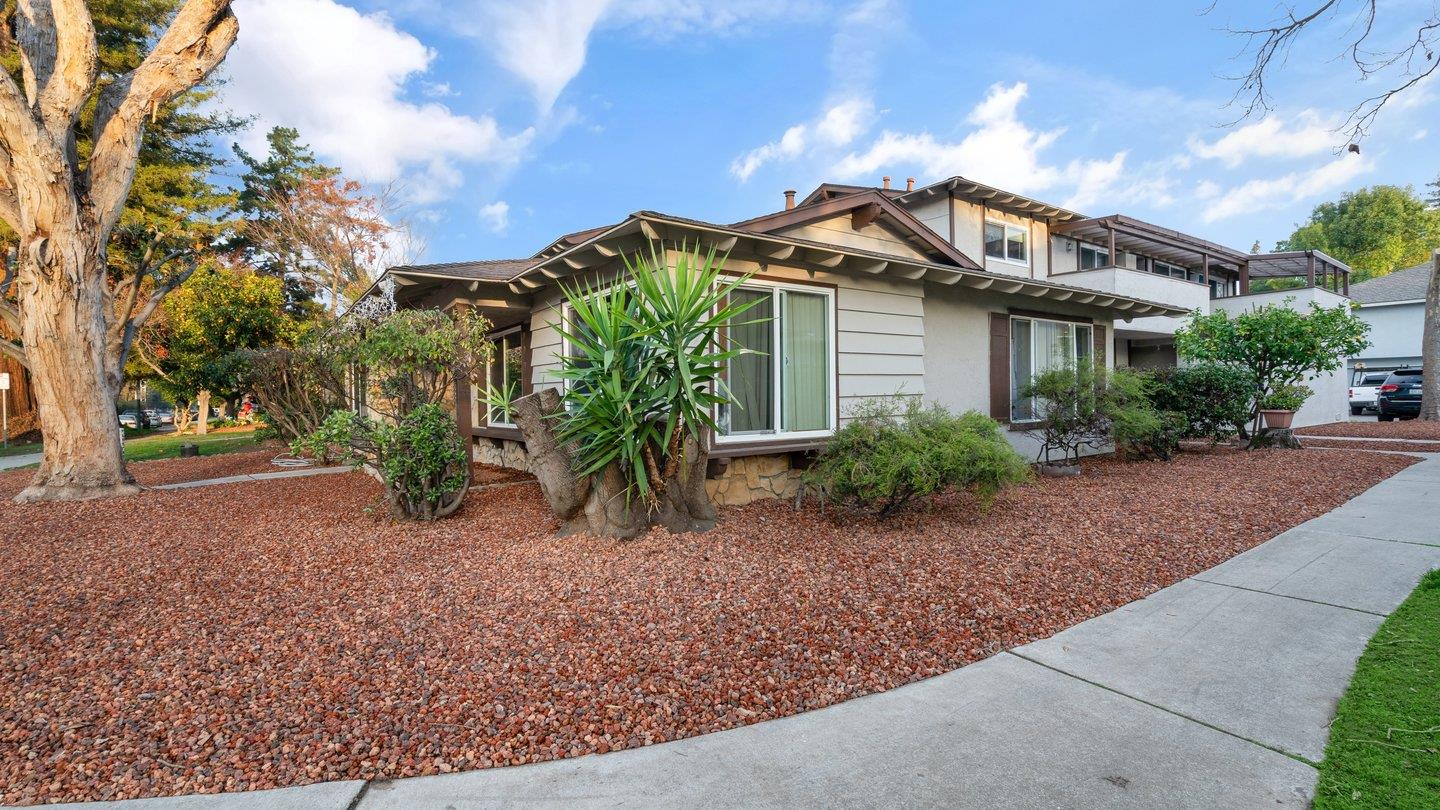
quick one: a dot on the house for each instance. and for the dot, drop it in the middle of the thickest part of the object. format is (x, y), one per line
(955, 291)
(1394, 306)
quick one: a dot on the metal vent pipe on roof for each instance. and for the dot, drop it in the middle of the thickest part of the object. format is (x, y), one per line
(789, 198)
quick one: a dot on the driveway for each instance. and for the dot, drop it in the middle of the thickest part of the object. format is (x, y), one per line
(1214, 692)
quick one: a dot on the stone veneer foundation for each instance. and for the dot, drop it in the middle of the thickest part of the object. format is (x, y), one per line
(744, 480)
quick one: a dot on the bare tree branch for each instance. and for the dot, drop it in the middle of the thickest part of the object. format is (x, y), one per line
(196, 41)
(16, 352)
(1269, 48)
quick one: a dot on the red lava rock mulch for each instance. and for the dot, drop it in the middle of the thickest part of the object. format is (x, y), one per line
(1401, 446)
(219, 639)
(173, 470)
(1406, 429)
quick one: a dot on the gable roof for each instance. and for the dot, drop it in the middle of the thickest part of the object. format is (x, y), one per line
(483, 270)
(991, 197)
(881, 208)
(1409, 284)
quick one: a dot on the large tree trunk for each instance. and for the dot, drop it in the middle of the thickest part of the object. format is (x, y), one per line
(1430, 347)
(202, 414)
(63, 327)
(597, 504)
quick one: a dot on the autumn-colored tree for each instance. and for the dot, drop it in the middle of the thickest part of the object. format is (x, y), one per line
(63, 205)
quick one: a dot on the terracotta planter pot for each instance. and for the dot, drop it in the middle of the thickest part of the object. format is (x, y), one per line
(1278, 420)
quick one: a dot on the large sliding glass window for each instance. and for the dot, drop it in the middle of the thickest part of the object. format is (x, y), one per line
(785, 386)
(1036, 346)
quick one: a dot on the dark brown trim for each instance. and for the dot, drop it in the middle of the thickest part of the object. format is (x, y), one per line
(1000, 366)
(1016, 312)
(807, 282)
(882, 204)
(765, 448)
(497, 432)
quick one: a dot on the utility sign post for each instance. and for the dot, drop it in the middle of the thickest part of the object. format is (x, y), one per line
(5, 408)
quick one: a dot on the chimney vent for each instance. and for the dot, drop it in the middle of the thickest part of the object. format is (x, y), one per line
(909, 184)
(789, 198)
(886, 181)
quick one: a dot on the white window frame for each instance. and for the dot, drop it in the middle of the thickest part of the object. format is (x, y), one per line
(1098, 250)
(777, 289)
(1008, 227)
(1074, 352)
(498, 356)
(1171, 270)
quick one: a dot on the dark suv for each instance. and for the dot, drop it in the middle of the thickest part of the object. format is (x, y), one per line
(1399, 396)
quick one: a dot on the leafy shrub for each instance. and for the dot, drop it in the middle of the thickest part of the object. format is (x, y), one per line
(890, 454)
(1212, 399)
(1089, 406)
(421, 457)
(1069, 410)
(1285, 398)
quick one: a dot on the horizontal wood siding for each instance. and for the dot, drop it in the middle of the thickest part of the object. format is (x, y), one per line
(881, 339)
(545, 342)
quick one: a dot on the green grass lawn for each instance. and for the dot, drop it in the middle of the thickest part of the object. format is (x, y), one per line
(146, 444)
(167, 445)
(1384, 746)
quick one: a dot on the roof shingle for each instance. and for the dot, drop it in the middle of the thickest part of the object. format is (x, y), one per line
(1409, 284)
(484, 270)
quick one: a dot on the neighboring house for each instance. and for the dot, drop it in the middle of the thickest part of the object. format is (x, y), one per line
(956, 292)
(1394, 306)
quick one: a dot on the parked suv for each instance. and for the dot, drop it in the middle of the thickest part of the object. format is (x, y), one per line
(1400, 395)
(1365, 389)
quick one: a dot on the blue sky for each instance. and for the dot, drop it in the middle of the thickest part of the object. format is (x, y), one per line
(506, 124)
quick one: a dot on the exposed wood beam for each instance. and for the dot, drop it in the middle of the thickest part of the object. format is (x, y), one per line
(550, 273)
(649, 231)
(1085, 299)
(1038, 292)
(864, 215)
(724, 244)
(1104, 302)
(870, 267)
(943, 276)
(1012, 288)
(976, 282)
(777, 252)
(824, 258)
(516, 288)
(530, 283)
(403, 281)
(912, 272)
(1063, 295)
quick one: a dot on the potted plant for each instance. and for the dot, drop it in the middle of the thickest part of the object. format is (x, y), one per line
(1279, 406)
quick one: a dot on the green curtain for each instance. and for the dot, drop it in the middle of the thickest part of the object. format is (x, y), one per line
(805, 377)
(751, 377)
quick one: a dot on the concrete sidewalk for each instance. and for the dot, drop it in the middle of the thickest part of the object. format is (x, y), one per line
(1214, 692)
(11, 462)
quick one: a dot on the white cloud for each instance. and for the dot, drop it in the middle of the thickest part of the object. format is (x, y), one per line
(838, 126)
(1264, 194)
(339, 77)
(545, 43)
(1269, 138)
(1001, 150)
(437, 90)
(496, 216)
(1419, 134)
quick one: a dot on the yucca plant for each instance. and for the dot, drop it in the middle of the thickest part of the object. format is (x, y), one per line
(644, 367)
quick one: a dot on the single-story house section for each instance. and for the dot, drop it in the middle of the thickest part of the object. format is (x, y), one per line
(955, 292)
(1394, 306)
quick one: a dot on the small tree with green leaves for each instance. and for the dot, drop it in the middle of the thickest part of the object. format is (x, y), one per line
(396, 422)
(1277, 347)
(624, 447)
(1212, 399)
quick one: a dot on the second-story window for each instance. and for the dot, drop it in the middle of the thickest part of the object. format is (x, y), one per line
(1006, 242)
(1092, 257)
(1166, 269)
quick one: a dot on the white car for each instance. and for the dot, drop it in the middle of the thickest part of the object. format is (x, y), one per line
(1364, 388)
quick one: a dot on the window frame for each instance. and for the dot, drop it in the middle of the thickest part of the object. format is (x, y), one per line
(1075, 342)
(777, 288)
(1006, 228)
(1098, 251)
(517, 332)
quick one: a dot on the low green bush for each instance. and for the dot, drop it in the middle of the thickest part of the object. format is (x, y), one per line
(1285, 398)
(420, 457)
(1137, 427)
(895, 450)
(1213, 400)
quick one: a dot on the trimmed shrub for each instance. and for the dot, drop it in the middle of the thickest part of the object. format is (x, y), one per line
(1212, 400)
(896, 450)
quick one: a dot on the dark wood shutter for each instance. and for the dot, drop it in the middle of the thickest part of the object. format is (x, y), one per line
(1100, 346)
(1000, 366)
